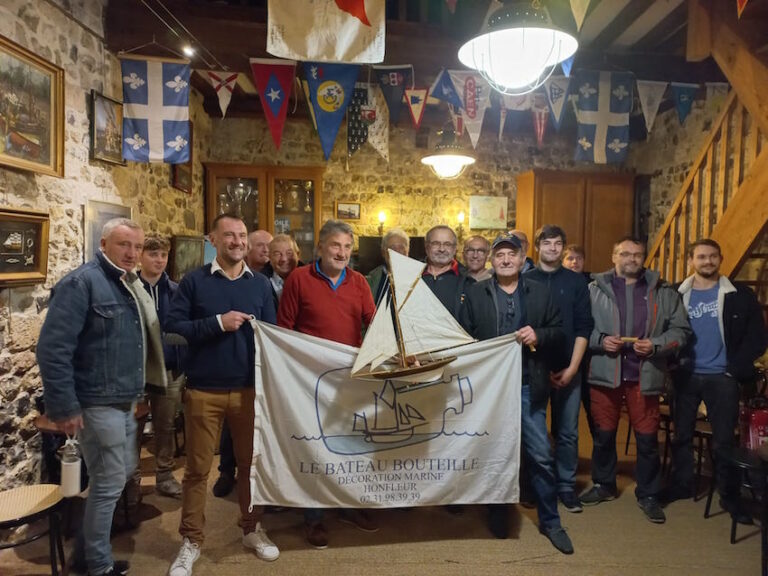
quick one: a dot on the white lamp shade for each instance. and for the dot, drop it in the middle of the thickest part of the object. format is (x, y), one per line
(447, 166)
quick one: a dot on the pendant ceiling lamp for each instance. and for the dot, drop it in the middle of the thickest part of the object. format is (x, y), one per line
(518, 47)
(449, 159)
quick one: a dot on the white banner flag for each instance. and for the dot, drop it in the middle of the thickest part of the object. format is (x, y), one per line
(378, 132)
(344, 31)
(224, 85)
(475, 95)
(650, 94)
(556, 90)
(325, 439)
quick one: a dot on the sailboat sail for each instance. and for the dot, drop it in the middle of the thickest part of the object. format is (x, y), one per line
(380, 342)
(406, 273)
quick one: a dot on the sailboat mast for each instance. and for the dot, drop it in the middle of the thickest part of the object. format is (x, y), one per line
(399, 334)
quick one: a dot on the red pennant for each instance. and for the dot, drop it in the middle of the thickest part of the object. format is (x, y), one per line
(540, 116)
(356, 8)
(274, 80)
(740, 5)
(417, 100)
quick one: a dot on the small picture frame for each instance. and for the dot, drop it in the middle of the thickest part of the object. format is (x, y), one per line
(181, 174)
(187, 254)
(347, 210)
(106, 129)
(23, 247)
(97, 214)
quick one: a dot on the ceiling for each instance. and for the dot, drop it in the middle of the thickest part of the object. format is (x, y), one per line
(647, 37)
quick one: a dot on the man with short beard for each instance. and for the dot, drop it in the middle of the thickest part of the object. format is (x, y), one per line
(446, 278)
(729, 335)
(640, 323)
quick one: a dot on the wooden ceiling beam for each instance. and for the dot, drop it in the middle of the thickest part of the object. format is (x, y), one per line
(699, 38)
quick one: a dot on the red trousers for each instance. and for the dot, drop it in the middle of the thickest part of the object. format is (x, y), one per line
(606, 407)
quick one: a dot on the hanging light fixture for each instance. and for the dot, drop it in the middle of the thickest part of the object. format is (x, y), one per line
(449, 159)
(518, 47)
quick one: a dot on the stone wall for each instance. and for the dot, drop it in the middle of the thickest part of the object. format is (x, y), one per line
(70, 33)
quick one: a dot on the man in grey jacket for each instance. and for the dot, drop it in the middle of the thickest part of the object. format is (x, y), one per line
(640, 323)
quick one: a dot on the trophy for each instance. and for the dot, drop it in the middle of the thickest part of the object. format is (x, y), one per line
(239, 194)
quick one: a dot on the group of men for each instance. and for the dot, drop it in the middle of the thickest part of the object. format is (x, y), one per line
(101, 344)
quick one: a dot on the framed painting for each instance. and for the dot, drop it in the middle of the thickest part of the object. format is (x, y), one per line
(489, 212)
(187, 253)
(347, 210)
(181, 174)
(23, 247)
(106, 129)
(31, 111)
(97, 214)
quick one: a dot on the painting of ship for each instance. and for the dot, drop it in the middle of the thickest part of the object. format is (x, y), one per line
(394, 418)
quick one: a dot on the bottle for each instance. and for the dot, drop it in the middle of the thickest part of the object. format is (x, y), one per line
(70, 468)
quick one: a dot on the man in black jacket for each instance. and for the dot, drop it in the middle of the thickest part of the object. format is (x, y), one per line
(729, 335)
(443, 274)
(510, 303)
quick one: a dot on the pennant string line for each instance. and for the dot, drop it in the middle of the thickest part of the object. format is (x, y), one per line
(153, 42)
(187, 31)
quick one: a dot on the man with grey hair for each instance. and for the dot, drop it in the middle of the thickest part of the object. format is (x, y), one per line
(100, 343)
(476, 251)
(329, 300)
(529, 264)
(397, 240)
(446, 278)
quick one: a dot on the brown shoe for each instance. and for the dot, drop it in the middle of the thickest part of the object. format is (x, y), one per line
(360, 519)
(317, 535)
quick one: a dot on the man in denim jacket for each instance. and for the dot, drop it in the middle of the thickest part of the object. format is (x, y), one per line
(100, 343)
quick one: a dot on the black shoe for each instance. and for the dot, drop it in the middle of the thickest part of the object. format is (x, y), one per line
(559, 538)
(498, 521)
(119, 568)
(598, 493)
(673, 493)
(223, 486)
(737, 512)
(650, 506)
(455, 509)
(570, 502)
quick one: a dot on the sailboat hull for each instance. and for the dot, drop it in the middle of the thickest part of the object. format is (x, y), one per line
(430, 370)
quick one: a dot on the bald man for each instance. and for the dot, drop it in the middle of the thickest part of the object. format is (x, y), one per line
(258, 251)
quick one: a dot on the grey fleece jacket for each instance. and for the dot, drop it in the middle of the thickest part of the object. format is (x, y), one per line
(666, 326)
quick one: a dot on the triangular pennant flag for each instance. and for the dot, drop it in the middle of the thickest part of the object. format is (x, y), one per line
(579, 9)
(517, 103)
(451, 6)
(155, 110)
(683, 95)
(740, 5)
(475, 94)
(717, 92)
(458, 122)
(443, 89)
(330, 90)
(650, 94)
(567, 65)
(308, 96)
(223, 84)
(378, 132)
(416, 98)
(540, 123)
(357, 128)
(502, 120)
(393, 81)
(556, 91)
(274, 80)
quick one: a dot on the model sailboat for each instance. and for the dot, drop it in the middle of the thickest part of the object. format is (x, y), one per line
(408, 327)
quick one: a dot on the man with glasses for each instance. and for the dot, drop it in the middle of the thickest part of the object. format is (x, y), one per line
(507, 303)
(446, 278)
(476, 250)
(640, 322)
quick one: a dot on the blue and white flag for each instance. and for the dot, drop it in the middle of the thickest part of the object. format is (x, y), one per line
(556, 90)
(155, 111)
(443, 89)
(683, 95)
(605, 101)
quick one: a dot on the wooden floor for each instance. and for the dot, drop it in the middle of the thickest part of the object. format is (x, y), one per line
(611, 539)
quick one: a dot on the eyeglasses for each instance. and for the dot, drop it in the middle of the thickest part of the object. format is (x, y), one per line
(635, 255)
(436, 244)
(475, 251)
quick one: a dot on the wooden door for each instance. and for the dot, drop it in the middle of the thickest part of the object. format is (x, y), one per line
(560, 200)
(608, 217)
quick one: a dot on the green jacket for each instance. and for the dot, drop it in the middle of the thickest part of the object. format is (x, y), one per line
(666, 326)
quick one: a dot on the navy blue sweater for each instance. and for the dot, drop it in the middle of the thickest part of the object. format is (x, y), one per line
(570, 294)
(219, 360)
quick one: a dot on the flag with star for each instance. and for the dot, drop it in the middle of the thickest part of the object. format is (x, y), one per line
(357, 127)
(330, 90)
(155, 110)
(602, 112)
(393, 81)
(223, 84)
(274, 79)
(416, 98)
(443, 89)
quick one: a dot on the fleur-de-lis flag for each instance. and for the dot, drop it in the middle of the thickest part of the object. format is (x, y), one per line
(155, 110)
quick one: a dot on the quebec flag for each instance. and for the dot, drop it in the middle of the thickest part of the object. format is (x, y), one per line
(604, 104)
(155, 111)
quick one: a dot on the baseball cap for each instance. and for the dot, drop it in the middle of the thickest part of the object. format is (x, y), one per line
(506, 238)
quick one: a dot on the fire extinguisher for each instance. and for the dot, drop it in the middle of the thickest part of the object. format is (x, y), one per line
(753, 423)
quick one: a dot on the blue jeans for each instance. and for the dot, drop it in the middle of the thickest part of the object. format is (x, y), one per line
(538, 458)
(108, 442)
(566, 403)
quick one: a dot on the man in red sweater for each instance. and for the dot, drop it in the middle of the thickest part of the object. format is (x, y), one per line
(328, 299)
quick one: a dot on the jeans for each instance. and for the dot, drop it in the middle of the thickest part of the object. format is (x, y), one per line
(566, 403)
(721, 397)
(108, 442)
(538, 458)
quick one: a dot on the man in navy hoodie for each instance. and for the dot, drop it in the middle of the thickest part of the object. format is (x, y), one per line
(212, 310)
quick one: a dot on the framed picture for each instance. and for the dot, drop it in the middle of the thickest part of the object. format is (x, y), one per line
(23, 247)
(31, 111)
(347, 210)
(181, 174)
(488, 212)
(106, 129)
(96, 215)
(187, 253)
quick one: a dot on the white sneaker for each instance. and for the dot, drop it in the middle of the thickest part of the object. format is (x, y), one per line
(188, 554)
(259, 541)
